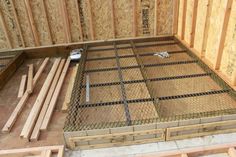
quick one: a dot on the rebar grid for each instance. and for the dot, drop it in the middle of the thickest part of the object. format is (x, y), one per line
(132, 86)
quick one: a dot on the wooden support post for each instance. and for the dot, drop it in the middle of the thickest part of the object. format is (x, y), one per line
(206, 27)
(176, 16)
(66, 21)
(2, 21)
(234, 78)
(232, 152)
(155, 18)
(30, 122)
(17, 22)
(22, 86)
(10, 122)
(113, 19)
(79, 20)
(30, 79)
(32, 23)
(223, 35)
(134, 18)
(184, 19)
(91, 20)
(47, 23)
(56, 93)
(194, 20)
(36, 131)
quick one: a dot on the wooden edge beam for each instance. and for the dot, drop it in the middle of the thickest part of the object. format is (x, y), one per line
(113, 24)
(79, 20)
(30, 122)
(32, 23)
(184, 19)
(45, 12)
(134, 18)
(155, 18)
(2, 21)
(194, 20)
(36, 130)
(17, 22)
(176, 16)
(206, 28)
(56, 93)
(91, 20)
(223, 35)
(10, 122)
(22, 86)
(66, 21)
(30, 79)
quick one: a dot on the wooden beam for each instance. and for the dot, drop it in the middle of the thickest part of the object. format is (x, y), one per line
(176, 16)
(32, 23)
(10, 122)
(2, 21)
(17, 22)
(36, 131)
(206, 27)
(22, 86)
(47, 23)
(30, 79)
(234, 77)
(91, 20)
(113, 24)
(155, 18)
(56, 93)
(194, 20)
(79, 20)
(184, 19)
(30, 122)
(232, 152)
(184, 155)
(66, 21)
(134, 18)
(223, 35)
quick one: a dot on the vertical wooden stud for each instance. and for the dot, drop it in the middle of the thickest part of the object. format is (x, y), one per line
(113, 19)
(2, 21)
(79, 20)
(134, 18)
(194, 20)
(234, 78)
(184, 18)
(176, 16)
(91, 20)
(155, 18)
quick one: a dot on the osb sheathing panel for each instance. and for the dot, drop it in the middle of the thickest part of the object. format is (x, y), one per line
(200, 24)
(3, 43)
(55, 20)
(7, 14)
(165, 9)
(188, 25)
(123, 18)
(215, 29)
(73, 20)
(40, 21)
(24, 23)
(102, 19)
(180, 18)
(228, 64)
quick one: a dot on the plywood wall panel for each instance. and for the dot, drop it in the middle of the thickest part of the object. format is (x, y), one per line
(216, 24)
(3, 43)
(181, 3)
(189, 15)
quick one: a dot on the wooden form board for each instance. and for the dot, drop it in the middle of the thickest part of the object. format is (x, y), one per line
(48, 22)
(215, 33)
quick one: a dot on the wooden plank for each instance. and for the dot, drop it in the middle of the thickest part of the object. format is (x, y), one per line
(113, 24)
(184, 18)
(234, 78)
(194, 20)
(30, 122)
(32, 23)
(232, 152)
(2, 21)
(45, 12)
(17, 22)
(22, 86)
(30, 79)
(66, 21)
(69, 89)
(79, 20)
(176, 16)
(155, 18)
(134, 18)
(206, 28)
(46, 153)
(91, 21)
(184, 155)
(36, 131)
(56, 93)
(223, 35)
(10, 122)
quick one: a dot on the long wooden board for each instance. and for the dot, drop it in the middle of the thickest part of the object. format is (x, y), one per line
(22, 86)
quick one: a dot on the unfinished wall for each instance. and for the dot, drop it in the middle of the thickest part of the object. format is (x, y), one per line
(68, 21)
(214, 34)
